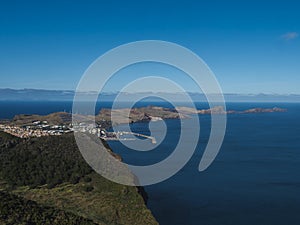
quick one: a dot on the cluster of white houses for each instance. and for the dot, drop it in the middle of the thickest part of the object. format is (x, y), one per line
(36, 129)
(42, 128)
(89, 128)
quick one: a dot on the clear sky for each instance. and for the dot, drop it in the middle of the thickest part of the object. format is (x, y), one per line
(252, 46)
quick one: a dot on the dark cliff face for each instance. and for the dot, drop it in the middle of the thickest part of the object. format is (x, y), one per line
(50, 171)
(143, 193)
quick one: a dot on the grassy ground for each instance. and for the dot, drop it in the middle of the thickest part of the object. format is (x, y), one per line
(106, 203)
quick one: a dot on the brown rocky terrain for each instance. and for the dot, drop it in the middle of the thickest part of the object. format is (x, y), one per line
(135, 115)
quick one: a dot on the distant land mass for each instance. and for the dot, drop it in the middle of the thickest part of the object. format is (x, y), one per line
(133, 115)
(7, 94)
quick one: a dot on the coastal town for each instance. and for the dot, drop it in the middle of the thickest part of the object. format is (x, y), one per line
(42, 128)
(36, 129)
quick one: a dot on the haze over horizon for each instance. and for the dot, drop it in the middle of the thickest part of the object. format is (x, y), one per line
(68, 91)
(252, 47)
(68, 95)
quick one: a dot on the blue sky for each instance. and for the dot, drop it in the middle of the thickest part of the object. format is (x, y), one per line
(252, 46)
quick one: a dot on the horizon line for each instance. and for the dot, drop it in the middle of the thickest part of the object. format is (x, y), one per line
(115, 92)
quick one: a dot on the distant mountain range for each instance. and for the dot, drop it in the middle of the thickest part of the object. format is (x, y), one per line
(8, 94)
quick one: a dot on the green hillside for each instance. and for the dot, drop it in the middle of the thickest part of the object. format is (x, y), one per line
(51, 172)
(17, 210)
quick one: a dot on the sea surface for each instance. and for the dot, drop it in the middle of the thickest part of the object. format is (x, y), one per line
(255, 178)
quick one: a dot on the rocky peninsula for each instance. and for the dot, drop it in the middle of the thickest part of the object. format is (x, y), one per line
(156, 113)
(124, 115)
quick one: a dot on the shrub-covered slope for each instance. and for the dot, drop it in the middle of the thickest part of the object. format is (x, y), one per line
(51, 172)
(17, 210)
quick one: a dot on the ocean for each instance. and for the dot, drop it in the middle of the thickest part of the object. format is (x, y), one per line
(255, 178)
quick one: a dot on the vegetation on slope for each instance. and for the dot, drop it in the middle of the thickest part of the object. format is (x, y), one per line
(17, 210)
(39, 161)
(51, 172)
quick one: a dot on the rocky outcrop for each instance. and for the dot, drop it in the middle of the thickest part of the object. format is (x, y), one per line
(221, 110)
(262, 110)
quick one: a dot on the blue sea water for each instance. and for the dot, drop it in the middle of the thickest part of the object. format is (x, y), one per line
(255, 178)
